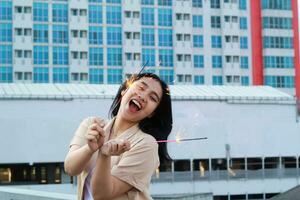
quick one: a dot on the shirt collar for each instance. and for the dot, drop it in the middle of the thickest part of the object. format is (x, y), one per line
(128, 133)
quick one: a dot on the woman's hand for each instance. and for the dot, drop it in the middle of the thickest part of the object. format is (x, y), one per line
(115, 147)
(95, 135)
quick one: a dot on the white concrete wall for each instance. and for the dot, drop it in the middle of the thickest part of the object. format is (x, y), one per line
(40, 130)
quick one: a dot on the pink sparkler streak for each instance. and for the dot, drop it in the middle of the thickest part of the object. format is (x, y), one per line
(181, 140)
(162, 141)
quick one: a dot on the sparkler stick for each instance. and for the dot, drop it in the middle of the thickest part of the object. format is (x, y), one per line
(143, 66)
(181, 140)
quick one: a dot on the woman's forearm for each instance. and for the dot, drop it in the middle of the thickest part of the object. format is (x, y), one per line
(102, 184)
(77, 160)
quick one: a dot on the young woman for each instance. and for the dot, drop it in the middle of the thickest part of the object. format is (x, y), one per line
(116, 160)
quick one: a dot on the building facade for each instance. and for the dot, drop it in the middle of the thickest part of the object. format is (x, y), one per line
(211, 42)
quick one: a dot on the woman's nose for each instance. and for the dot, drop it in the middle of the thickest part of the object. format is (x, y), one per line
(141, 97)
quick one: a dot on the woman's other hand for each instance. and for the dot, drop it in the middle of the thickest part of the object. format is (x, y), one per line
(115, 147)
(95, 135)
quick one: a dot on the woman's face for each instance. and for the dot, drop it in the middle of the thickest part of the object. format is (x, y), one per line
(140, 99)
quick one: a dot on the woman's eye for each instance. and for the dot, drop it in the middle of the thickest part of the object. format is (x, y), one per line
(153, 99)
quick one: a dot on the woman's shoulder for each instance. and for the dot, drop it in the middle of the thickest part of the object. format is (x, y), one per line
(147, 139)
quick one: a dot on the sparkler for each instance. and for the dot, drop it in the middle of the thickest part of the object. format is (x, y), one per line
(178, 140)
(130, 80)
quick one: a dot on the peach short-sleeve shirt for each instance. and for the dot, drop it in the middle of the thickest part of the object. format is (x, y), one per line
(134, 167)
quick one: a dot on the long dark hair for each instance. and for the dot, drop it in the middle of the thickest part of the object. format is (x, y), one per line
(159, 125)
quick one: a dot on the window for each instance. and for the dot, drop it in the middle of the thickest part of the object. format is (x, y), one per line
(114, 76)
(187, 37)
(95, 35)
(199, 80)
(60, 75)
(95, 14)
(234, 19)
(96, 56)
(197, 21)
(217, 61)
(217, 80)
(27, 9)
(278, 62)
(18, 53)
(114, 56)
(5, 32)
(245, 80)
(243, 4)
(74, 12)
(60, 34)
(186, 17)
(113, 15)
(214, 3)
(40, 33)
(165, 37)
(40, 75)
(18, 9)
(198, 41)
(243, 23)
(40, 55)
(136, 15)
(82, 12)
(147, 2)
(277, 22)
(244, 62)
(215, 21)
(27, 54)
(148, 16)
(197, 3)
(277, 4)
(6, 73)
(216, 41)
(166, 57)
(40, 12)
(60, 12)
(280, 81)
(148, 37)
(164, 17)
(198, 61)
(60, 55)
(278, 42)
(114, 35)
(148, 56)
(179, 37)
(96, 76)
(165, 2)
(243, 42)
(167, 76)
(179, 57)
(27, 32)
(5, 10)
(113, 1)
(136, 35)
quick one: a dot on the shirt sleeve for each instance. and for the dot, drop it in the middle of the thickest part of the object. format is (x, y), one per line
(79, 136)
(137, 165)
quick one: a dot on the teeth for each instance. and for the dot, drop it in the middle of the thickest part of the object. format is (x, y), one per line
(137, 103)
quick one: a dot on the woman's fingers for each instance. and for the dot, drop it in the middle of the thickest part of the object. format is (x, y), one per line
(115, 147)
(96, 127)
(99, 121)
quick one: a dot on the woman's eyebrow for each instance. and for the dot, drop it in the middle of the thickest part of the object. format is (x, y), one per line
(146, 85)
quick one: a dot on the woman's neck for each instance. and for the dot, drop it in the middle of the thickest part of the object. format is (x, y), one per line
(120, 125)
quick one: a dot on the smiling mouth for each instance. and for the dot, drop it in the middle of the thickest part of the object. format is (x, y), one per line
(134, 105)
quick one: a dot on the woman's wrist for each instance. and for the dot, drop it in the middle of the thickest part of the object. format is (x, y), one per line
(89, 151)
